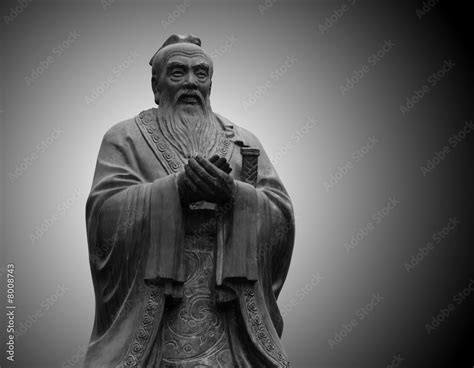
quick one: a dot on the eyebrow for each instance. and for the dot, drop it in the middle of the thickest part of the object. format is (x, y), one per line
(202, 66)
(177, 64)
(174, 64)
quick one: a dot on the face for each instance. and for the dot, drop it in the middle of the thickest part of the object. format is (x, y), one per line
(185, 81)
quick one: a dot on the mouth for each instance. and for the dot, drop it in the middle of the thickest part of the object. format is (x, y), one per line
(189, 99)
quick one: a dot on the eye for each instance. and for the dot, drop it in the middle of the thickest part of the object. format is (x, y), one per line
(176, 73)
(201, 74)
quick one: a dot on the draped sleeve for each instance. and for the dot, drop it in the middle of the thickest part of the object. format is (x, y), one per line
(261, 231)
(134, 225)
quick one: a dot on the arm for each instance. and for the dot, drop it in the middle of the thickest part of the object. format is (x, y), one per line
(133, 225)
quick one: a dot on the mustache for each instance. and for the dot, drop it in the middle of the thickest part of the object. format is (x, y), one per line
(195, 93)
(188, 134)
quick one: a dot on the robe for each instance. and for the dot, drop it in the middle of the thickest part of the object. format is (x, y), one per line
(138, 248)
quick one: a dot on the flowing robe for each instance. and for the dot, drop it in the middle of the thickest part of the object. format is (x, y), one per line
(137, 239)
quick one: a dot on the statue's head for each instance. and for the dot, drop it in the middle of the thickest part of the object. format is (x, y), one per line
(181, 74)
(181, 82)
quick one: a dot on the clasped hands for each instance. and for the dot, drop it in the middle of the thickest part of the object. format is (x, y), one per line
(206, 180)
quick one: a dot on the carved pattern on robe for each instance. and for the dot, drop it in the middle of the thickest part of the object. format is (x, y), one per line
(143, 332)
(147, 121)
(194, 332)
(258, 325)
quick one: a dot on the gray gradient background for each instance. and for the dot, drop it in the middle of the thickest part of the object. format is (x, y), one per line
(325, 219)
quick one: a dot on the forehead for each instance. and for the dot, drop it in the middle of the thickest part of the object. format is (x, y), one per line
(188, 59)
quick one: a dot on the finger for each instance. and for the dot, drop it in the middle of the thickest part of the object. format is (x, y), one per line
(223, 165)
(199, 165)
(228, 169)
(194, 193)
(220, 162)
(219, 177)
(218, 183)
(208, 167)
(201, 174)
(202, 186)
(190, 186)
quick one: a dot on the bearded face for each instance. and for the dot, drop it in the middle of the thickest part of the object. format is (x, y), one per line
(182, 91)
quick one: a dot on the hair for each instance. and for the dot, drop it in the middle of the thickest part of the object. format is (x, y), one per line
(189, 132)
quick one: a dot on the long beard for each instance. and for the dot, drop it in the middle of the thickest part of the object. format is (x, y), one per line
(191, 133)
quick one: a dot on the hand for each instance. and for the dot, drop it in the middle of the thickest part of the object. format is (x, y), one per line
(210, 181)
(184, 190)
(221, 163)
(187, 190)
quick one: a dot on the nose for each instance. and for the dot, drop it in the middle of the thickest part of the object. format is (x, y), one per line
(191, 80)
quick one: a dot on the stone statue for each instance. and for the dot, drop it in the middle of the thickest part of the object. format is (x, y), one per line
(190, 232)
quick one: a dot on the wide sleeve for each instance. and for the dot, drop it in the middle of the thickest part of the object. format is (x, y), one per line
(260, 237)
(134, 227)
(275, 224)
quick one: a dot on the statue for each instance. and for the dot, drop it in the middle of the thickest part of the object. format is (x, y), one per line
(190, 232)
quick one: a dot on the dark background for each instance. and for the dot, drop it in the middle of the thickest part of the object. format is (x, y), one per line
(248, 44)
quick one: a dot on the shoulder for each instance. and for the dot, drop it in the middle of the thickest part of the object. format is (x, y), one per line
(120, 129)
(240, 133)
(122, 132)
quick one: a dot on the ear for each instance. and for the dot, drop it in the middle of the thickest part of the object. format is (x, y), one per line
(154, 84)
(154, 87)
